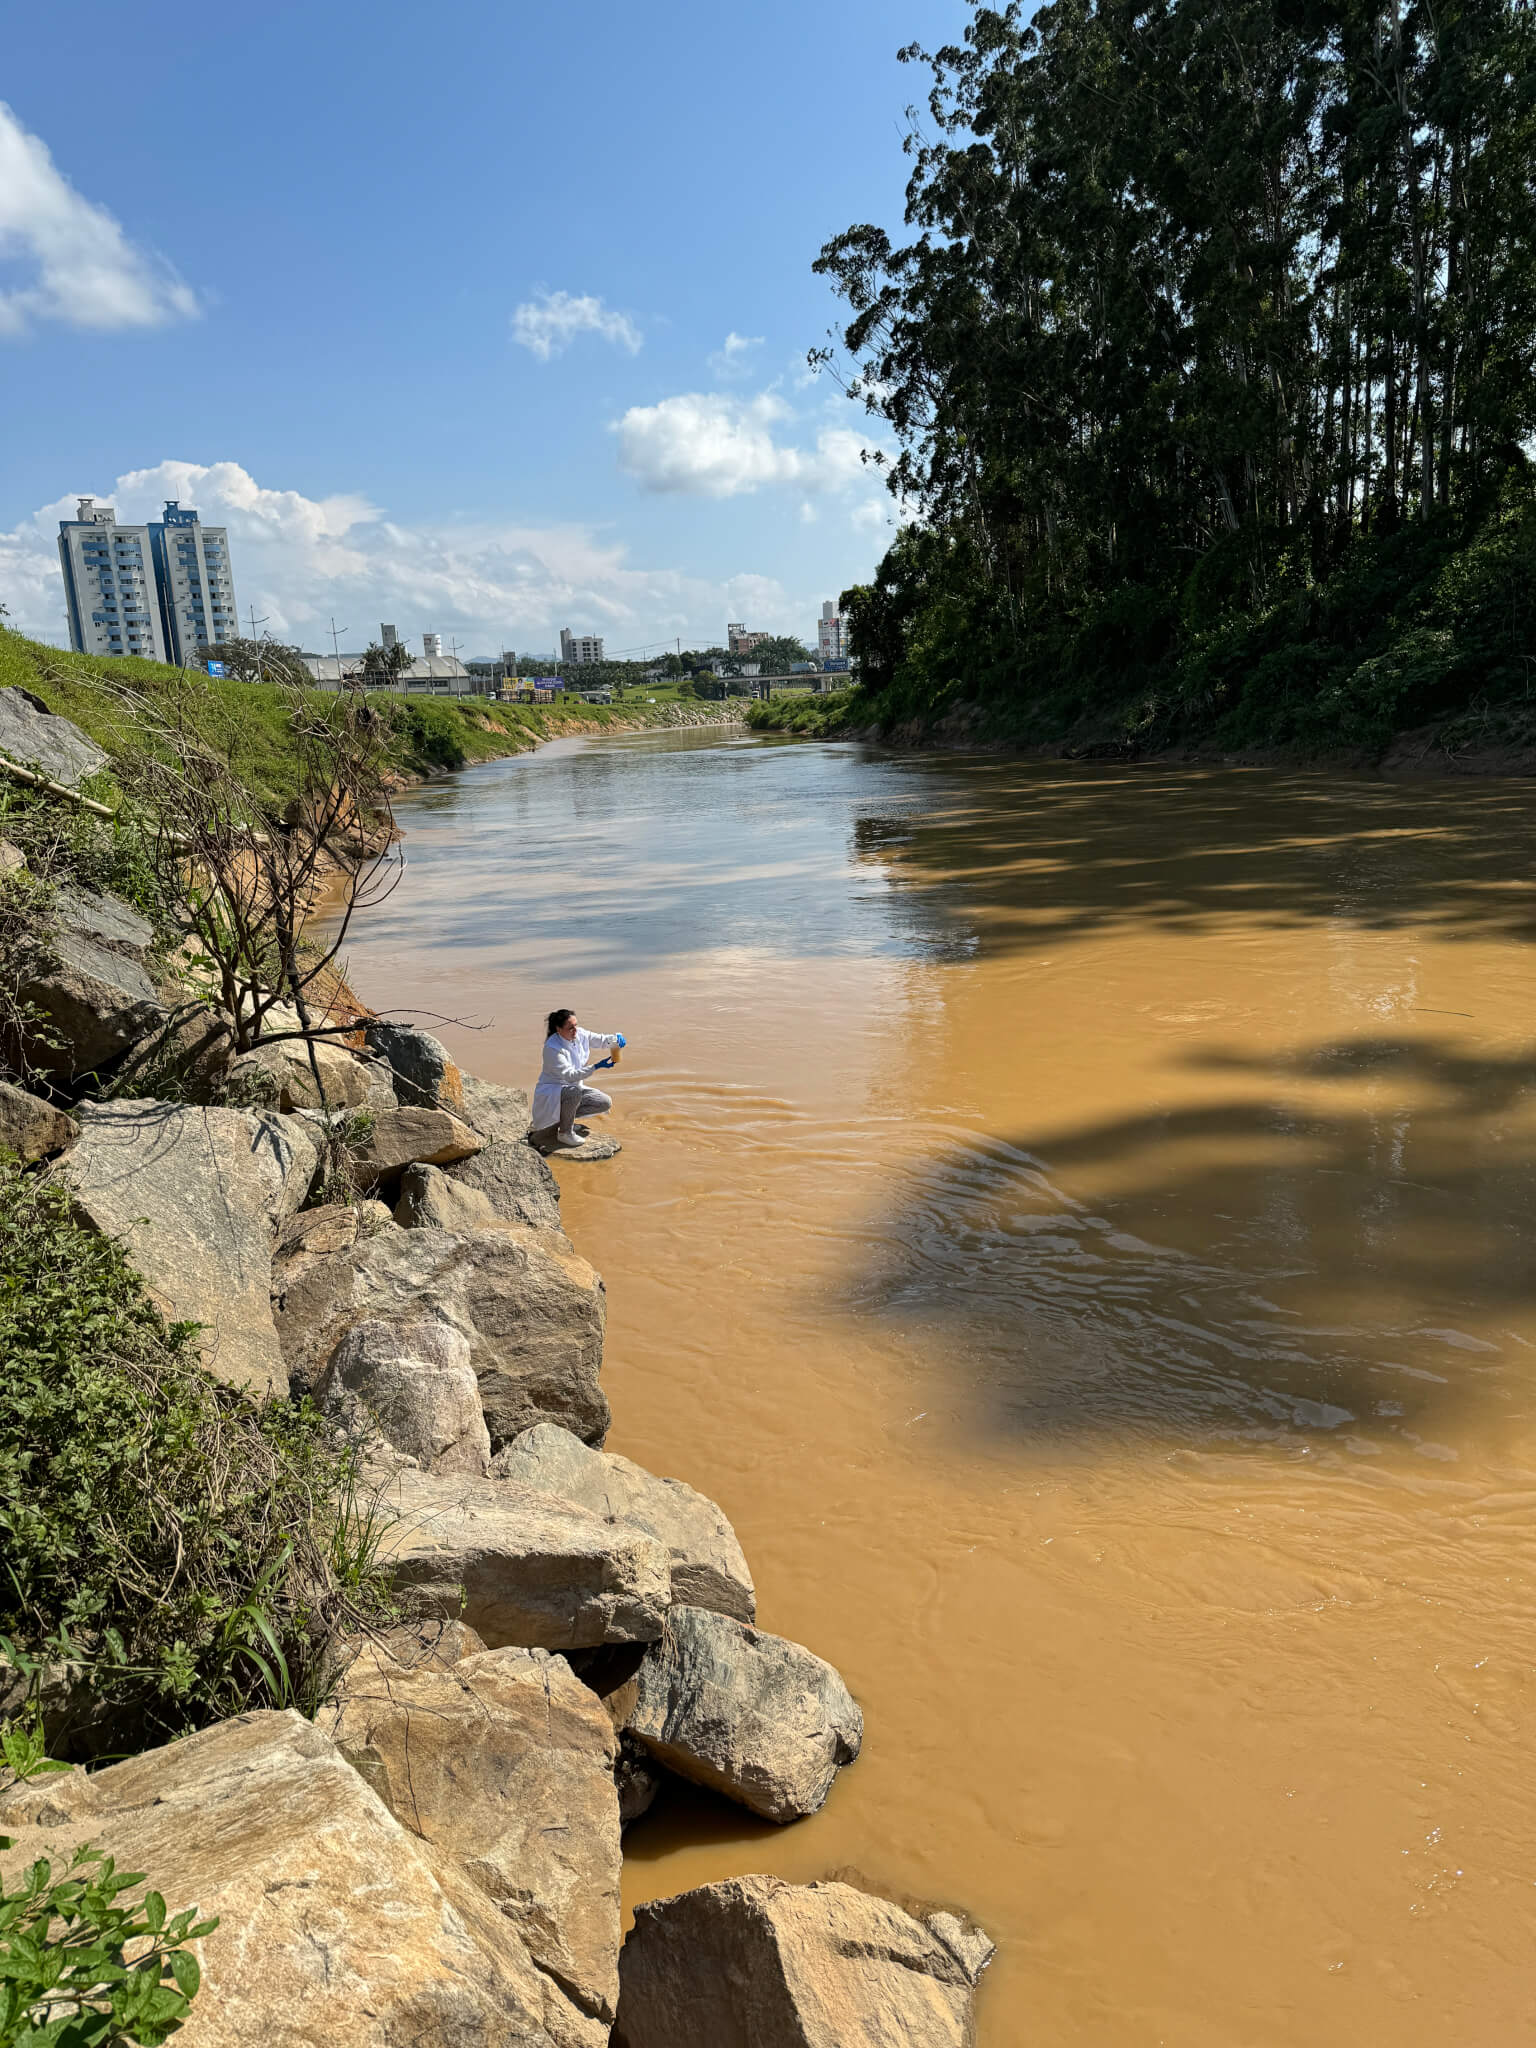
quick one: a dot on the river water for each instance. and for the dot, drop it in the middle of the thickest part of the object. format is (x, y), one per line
(1077, 1222)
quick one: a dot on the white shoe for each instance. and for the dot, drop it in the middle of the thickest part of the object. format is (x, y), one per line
(569, 1140)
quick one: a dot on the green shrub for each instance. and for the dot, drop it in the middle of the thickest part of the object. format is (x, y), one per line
(185, 1553)
(65, 1977)
(432, 732)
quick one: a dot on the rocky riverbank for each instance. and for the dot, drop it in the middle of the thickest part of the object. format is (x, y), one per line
(433, 1857)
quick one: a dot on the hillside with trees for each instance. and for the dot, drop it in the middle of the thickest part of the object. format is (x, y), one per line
(1209, 361)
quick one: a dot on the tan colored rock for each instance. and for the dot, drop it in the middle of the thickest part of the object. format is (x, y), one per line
(12, 859)
(532, 1311)
(414, 1383)
(193, 1195)
(429, 1200)
(338, 1928)
(30, 1127)
(522, 1568)
(286, 1062)
(505, 1762)
(406, 1137)
(708, 1568)
(758, 1963)
(746, 1713)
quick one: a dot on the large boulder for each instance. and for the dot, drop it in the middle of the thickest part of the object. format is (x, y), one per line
(758, 1963)
(708, 1568)
(193, 1195)
(398, 1138)
(531, 1309)
(284, 1066)
(415, 1384)
(745, 1713)
(424, 1071)
(38, 738)
(509, 1173)
(338, 1927)
(429, 1200)
(30, 1127)
(505, 1762)
(521, 1568)
(92, 992)
(514, 1179)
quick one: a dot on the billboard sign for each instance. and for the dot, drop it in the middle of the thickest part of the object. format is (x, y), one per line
(217, 668)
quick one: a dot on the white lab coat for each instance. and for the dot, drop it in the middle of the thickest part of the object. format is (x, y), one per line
(565, 1060)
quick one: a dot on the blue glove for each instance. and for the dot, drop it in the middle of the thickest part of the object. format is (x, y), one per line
(622, 1041)
(598, 1065)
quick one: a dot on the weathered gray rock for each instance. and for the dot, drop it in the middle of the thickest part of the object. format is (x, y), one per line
(30, 1127)
(407, 1137)
(522, 1568)
(193, 1194)
(514, 1180)
(38, 738)
(591, 1152)
(12, 859)
(495, 1109)
(708, 1568)
(94, 993)
(532, 1310)
(746, 1713)
(509, 1171)
(429, 1200)
(504, 1761)
(758, 1963)
(339, 1928)
(414, 1382)
(425, 1074)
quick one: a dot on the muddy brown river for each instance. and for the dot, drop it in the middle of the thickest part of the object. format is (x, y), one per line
(1078, 1223)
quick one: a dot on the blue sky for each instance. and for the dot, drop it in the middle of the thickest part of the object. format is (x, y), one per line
(485, 319)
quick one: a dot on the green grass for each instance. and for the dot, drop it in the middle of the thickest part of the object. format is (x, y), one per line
(431, 734)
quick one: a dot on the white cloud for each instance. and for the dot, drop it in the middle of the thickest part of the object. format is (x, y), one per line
(730, 359)
(303, 561)
(549, 322)
(80, 268)
(710, 445)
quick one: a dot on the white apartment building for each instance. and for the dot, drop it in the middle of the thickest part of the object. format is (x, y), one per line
(831, 634)
(580, 648)
(109, 584)
(196, 584)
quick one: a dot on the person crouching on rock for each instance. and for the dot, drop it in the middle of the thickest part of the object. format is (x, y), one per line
(562, 1094)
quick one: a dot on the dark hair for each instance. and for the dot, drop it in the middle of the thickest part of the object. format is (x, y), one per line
(555, 1019)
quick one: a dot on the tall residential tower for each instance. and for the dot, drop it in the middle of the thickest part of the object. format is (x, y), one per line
(109, 584)
(163, 591)
(196, 584)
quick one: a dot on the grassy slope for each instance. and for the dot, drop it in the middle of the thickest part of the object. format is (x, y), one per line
(432, 733)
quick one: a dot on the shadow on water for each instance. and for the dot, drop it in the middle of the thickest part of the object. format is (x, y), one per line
(1244, 1270)
(1039, 853)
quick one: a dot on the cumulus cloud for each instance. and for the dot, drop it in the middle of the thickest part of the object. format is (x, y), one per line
(549, 322)
(711, 445)
(78, 267)
(730, 359)
(303, 561)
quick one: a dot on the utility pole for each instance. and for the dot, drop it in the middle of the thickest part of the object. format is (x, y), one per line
(336, 646)
(260, 672)
(453, 649)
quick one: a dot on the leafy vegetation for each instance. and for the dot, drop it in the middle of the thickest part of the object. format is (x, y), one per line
(1210, 365)
(66, 1980)
(249, 723)
(183, 1554)
(814, 716)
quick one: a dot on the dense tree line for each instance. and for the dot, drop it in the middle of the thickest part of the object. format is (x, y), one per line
(1210, 362)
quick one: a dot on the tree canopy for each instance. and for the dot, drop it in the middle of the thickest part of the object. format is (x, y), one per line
(1209, 364)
